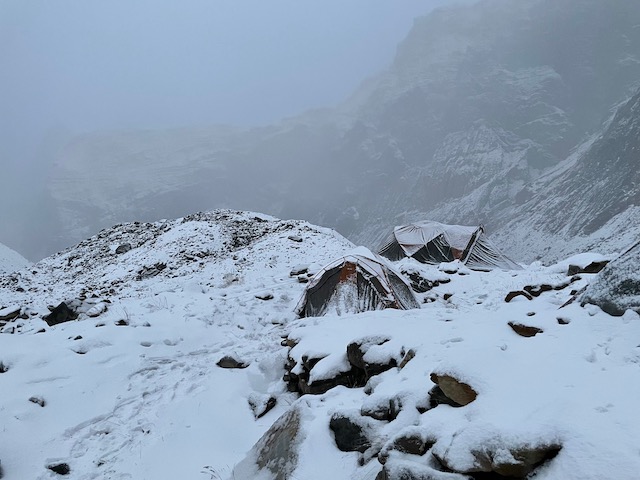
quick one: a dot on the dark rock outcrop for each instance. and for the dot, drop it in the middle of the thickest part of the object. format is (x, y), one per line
(60, 314)
(351, 432)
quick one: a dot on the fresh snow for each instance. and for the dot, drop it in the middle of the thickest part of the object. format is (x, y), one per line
(11, 260)
(135, 393)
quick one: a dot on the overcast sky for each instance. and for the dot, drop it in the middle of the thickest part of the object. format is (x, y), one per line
(83, 65)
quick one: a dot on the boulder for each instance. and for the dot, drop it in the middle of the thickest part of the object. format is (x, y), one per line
(405, 470)
(9, 313)
(60, 468)
(229, 362)
(60, 314)
(513, 462)
(123, 248)
(409, 441)
(351, 432)
(511, 295)
(617, 287)
(525, 330)
(261, 404)
(455, 390)
(593, 267)
(357, 351)
(275, 455)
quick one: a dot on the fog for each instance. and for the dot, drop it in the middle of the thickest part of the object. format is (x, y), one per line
(74, 66)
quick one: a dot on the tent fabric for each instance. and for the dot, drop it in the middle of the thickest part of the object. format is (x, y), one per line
(357, 282)
(433, 242)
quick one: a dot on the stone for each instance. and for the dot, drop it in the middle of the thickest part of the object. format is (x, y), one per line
(437, 397)
(9, 313)
(511, 295)
(385, 409)
(407, 358)
(350, 433)
(261, 404)
(60, 314)
(277, 450)
(617, 287)
(295, 238)
(265, 296)
(229, 362)
(60, 468)
(356, 352)
(409, 441)
(454, 389)
(525, 330)
(38, 401)
(123, 248)
(299, 270)
(593, 267)
(512, 462)
(405, 470)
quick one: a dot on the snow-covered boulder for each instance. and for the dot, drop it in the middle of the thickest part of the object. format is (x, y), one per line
(617, 286)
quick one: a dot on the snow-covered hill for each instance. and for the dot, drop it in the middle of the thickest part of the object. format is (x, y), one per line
(11, 260)
(132, 389)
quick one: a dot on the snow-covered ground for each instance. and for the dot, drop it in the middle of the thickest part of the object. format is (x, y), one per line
(11, 260)
(134, 392)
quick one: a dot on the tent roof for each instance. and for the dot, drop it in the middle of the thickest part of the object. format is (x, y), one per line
(367, 261)
(414, 236)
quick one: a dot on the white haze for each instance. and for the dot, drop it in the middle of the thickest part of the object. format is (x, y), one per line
(73, 66)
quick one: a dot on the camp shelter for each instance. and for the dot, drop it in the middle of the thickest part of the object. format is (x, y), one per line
(433, 242)
(355, 283)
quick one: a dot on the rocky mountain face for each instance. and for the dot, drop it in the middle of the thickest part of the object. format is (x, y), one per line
(591, 200)
(481, 104)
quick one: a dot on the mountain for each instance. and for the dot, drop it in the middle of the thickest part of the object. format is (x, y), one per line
(137, 385)
(480, 103)
(591, 201)
(11, 260)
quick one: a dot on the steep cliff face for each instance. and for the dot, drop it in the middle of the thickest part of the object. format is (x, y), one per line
(479, 105)
(592, 201)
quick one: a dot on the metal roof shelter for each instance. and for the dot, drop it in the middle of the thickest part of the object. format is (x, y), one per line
(433, 242)
(358, 282)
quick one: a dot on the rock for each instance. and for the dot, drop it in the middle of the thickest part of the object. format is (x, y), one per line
(265, 296)
(38, 401)
(384, 409)
(3, 368)
(295, 238)
(276, 453)
(406, 470)
(299, 270)
(511, 295)
(60, 468)
(454, 389)
(525, 330)
(229, 362)
(261, 404)
(537, 290)
(356, 352)
(410, 441)
(563, 321)
(9, 313)
(437, 397)
(351, 433)
(150, 271)
(97, 310)
(123, 248)
(418, 283)
(407, 358)
(505, 461)
(593, 267)
(60, 314)
(617, 287)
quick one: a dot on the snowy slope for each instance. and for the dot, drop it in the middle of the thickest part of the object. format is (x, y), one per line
(144, 399)
(11, 260)
(135, 393)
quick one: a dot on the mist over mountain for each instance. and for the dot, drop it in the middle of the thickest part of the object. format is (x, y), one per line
(481, 104)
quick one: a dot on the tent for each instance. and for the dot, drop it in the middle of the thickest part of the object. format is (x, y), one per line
(433, 242)
(355, 283)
